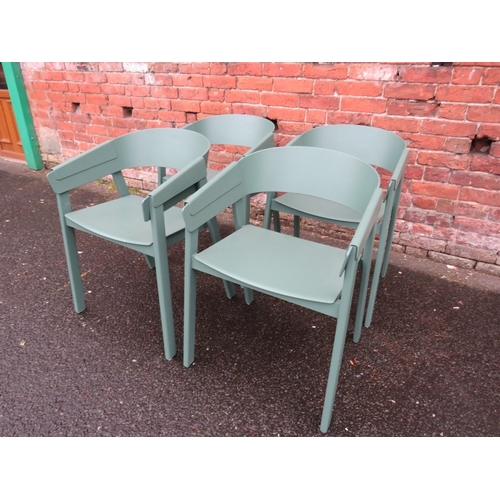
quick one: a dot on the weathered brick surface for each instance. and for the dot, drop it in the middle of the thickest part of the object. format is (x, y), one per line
(449, 117)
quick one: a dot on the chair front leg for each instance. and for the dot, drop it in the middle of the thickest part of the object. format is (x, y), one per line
(163, 284)
(189, 299)
(75, 278)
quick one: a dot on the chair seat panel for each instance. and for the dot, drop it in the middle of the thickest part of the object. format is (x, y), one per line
(317, 208)
(268, 260)
(122, 220)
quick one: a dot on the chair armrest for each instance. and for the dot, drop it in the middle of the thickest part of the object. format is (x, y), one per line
(221, 192)
(176, 188)
(84, 168)
(368, 220)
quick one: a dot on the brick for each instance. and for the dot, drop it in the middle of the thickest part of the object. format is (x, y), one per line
(282, 99)
(425, 74)
(449, 128)
(452, 111)
(145, 114)
(421, 141)
(201, 68)
(215, 108)
(95, 77)
(245, 69)
(163, 67)
(119, 78)
(186, 105)
(451, 260)
(469, 252)
(316, 117)
(319, 102)
(359, 88)
(223, 82)
(459, 145)
(480, 196)
(93, 98)
(489, 228)
(74, 76)
(292, 128)
(168, 116)
(472, 210)
(491, 131)
(485, 163)
(467, 76)
(293, 85)
(183, 80)
(282, 69)
(422, 242)
(375, 72)
(137, 102)
(216, 95)
(363, 104)
(165, 92)
(91, 88)
(354, 118)
(415, 91)
(476, 179)
(254, 83)
(464, 93)
(120, 100)
(488, 268)
(193, 93)
(247, 96)
(324, 87)
(435, 189)
(250, 109)
(414, 172)
(137, 90)
(425, 202)
(111, 89)
(287, 114)
(484, 114)
(495, 149)
(491, 76)
(436, 174)
(333, 71)
(406, 108)
(218, 68)
(396, 124)
(51, 75)
(110, 66)
(92, 109)
(439, 159)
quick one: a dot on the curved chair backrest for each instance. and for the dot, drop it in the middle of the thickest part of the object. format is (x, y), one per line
(375, 146)
(319, 172)
(331, 175)
(236, 129)
(159, 147)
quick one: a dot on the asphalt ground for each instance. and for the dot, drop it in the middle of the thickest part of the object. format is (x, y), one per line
(428, 366)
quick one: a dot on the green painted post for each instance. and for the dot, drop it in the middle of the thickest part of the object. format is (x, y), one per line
(20, 105)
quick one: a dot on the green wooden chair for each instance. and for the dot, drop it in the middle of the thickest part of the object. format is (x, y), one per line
(253, 132)
(379, 148)
(148, 225)
(313, 275)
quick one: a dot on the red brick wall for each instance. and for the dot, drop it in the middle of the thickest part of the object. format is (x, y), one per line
(449, 115)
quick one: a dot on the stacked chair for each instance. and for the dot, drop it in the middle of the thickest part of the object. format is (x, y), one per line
(378, 147)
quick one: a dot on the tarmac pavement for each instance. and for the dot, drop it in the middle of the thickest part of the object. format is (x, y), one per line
(429, 365)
